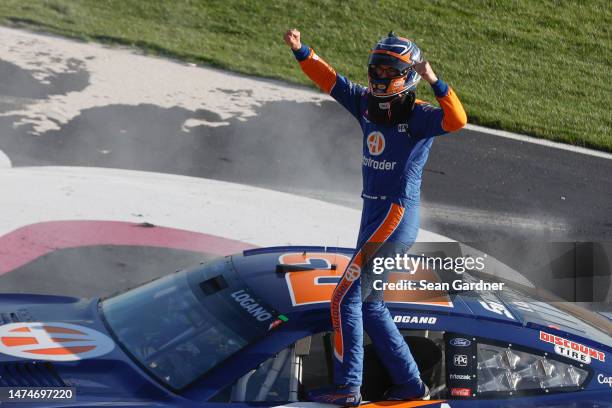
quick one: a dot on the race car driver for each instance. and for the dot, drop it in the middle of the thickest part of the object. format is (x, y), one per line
(398, 132)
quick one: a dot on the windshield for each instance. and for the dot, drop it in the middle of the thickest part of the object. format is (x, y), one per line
(181, 326)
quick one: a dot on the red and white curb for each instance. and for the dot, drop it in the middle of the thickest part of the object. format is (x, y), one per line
(238, 212)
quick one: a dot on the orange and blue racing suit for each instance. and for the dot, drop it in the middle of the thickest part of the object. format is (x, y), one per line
(392, 165)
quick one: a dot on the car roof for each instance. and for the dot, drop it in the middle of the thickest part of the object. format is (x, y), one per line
(284, 277)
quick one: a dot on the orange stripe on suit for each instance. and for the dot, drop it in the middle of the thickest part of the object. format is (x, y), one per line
(319, 71)
(353, 271)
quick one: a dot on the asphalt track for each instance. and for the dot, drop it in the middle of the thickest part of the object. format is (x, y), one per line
(477, 187)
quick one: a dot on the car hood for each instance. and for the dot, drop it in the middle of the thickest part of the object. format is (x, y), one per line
(63, 341)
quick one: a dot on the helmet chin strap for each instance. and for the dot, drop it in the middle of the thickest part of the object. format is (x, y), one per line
(396, 109)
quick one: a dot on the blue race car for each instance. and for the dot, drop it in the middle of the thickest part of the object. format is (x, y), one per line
(254, 329)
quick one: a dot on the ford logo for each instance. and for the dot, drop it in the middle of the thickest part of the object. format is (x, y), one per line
(459, 342)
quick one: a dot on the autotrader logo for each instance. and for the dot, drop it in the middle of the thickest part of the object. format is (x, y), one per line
(376, 143)
(53, 341)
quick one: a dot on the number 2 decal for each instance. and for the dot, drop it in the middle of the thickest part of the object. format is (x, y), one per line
(316, 285)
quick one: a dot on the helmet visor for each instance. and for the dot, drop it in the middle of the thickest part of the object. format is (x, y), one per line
(400, 66)
(383, 72)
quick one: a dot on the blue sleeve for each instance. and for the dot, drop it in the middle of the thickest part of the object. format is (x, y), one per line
(349, 95)
(427, 119)
(440, 88)
(302, 53)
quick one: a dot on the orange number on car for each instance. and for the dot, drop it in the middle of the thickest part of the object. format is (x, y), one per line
(308, 287)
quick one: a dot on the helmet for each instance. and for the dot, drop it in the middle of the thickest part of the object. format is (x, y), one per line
(397, 55)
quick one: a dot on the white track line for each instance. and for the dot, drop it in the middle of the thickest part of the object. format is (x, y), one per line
(543, 142)
(5, 162)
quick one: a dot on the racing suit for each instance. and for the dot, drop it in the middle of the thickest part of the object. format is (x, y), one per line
(392, 166)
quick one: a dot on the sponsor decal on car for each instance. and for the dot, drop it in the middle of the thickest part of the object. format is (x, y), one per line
(466, 377)
(53, 341)
(602, 379)
(280, 319)
(461, 392)
(352, 273)
(415, 319)
(460, 342)
(460, 360)
(496, 308)
(249, 304)
(573, 350)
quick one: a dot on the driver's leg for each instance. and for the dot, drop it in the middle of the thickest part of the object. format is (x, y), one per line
(378, 322)
(346, 304)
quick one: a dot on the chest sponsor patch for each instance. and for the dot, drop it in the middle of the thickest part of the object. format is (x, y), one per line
(53, 341)
(375, 143)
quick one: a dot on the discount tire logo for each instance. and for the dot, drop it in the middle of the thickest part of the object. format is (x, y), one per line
(573, 350)
(53, 341)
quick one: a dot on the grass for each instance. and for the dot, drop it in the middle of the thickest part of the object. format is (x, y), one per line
(539, 68)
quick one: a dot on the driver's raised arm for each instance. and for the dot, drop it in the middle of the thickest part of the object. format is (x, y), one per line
(322, 74)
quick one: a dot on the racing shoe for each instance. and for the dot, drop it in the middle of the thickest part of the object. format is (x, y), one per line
(408, 392)
(348, 396)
